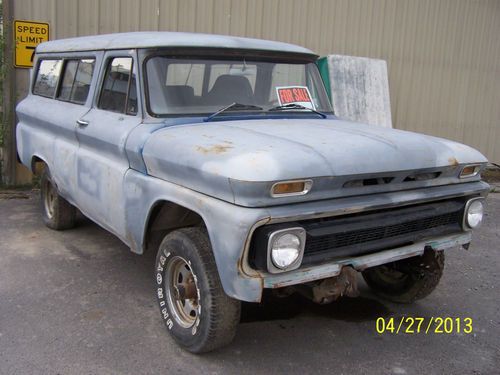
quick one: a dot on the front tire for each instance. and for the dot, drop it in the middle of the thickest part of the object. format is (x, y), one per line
(57, 212)
(407, 280)
(195, 309)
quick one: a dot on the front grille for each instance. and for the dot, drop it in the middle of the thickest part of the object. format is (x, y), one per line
(373, 231)
(366, 232)
(327, 242)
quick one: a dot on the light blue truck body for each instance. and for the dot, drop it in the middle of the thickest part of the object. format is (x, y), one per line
(118, 168)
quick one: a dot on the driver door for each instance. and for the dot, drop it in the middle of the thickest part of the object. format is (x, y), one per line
(102, 133)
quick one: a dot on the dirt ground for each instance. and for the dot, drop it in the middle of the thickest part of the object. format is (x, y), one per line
(78, 302)
(491, 175)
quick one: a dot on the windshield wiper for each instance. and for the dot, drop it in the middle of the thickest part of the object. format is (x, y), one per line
(234, 107)
(295, 106)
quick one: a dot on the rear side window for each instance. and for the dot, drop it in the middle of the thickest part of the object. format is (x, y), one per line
(76, 80)
(118, 93)
(47, 77)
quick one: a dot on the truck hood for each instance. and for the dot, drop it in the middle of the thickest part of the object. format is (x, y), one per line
(238, 161)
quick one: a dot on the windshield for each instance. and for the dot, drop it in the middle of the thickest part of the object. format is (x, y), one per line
(179, 86)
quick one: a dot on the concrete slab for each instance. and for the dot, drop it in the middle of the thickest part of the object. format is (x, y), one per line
(359, 88)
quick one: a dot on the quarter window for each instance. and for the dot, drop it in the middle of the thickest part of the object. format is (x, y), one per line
(47, 77)
(76, 80)
(118, 93)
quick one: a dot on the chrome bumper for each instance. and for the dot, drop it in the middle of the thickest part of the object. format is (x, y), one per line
(360, 263)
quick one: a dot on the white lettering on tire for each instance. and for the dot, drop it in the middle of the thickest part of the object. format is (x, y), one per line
(164, 312)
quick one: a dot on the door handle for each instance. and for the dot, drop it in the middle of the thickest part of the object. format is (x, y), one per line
(82, 123)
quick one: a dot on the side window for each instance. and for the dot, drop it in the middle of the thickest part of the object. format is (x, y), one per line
(76, 80)
(47, 77)
(67, 80)
(118, 92)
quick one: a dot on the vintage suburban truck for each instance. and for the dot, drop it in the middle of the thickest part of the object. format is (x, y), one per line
(223, 155)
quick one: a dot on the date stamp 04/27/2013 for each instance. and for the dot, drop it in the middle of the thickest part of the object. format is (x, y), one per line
(429, 325)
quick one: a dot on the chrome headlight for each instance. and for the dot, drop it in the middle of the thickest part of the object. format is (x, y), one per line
(286, 249)
(473, 214)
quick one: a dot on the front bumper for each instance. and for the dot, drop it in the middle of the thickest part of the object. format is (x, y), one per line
(331, 269)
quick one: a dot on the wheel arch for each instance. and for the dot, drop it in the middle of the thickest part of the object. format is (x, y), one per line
(165, 216)
(36, 165)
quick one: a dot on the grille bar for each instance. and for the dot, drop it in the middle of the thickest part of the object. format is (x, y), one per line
(367, 232)
(349, 238)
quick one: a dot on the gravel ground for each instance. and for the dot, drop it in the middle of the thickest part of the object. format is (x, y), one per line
(78, 302)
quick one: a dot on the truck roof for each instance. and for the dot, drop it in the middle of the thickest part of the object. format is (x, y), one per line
(165, 39)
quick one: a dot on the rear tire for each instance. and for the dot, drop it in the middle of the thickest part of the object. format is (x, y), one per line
(57, 212)
(407, 280)
(195, 309)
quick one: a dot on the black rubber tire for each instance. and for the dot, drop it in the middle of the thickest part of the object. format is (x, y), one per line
(218, 314)
(63, 214)
(416, 277)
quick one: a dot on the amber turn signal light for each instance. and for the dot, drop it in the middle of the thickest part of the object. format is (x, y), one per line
(286, 188)
(470, 171)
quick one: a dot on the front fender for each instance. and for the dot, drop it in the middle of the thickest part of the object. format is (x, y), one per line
(228, 227)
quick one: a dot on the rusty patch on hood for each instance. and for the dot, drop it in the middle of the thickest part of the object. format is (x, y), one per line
(453, 161)
(215, 149)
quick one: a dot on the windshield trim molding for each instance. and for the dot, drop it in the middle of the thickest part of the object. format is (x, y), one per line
(222, 54)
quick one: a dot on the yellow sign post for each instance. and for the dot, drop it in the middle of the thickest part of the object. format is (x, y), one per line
(28, 35)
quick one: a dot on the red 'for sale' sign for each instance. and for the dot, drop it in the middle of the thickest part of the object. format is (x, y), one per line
(295, 95)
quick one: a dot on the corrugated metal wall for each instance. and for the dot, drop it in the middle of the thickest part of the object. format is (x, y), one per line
(443, 56)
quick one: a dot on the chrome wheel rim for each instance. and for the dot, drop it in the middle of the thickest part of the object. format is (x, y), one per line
(49, 199)
(183, 292)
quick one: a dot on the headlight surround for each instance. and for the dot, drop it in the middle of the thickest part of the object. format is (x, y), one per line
(473, 213)
(286, 249)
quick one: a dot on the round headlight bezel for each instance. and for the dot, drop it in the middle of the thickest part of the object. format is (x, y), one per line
(473, 204)
(273, 264)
